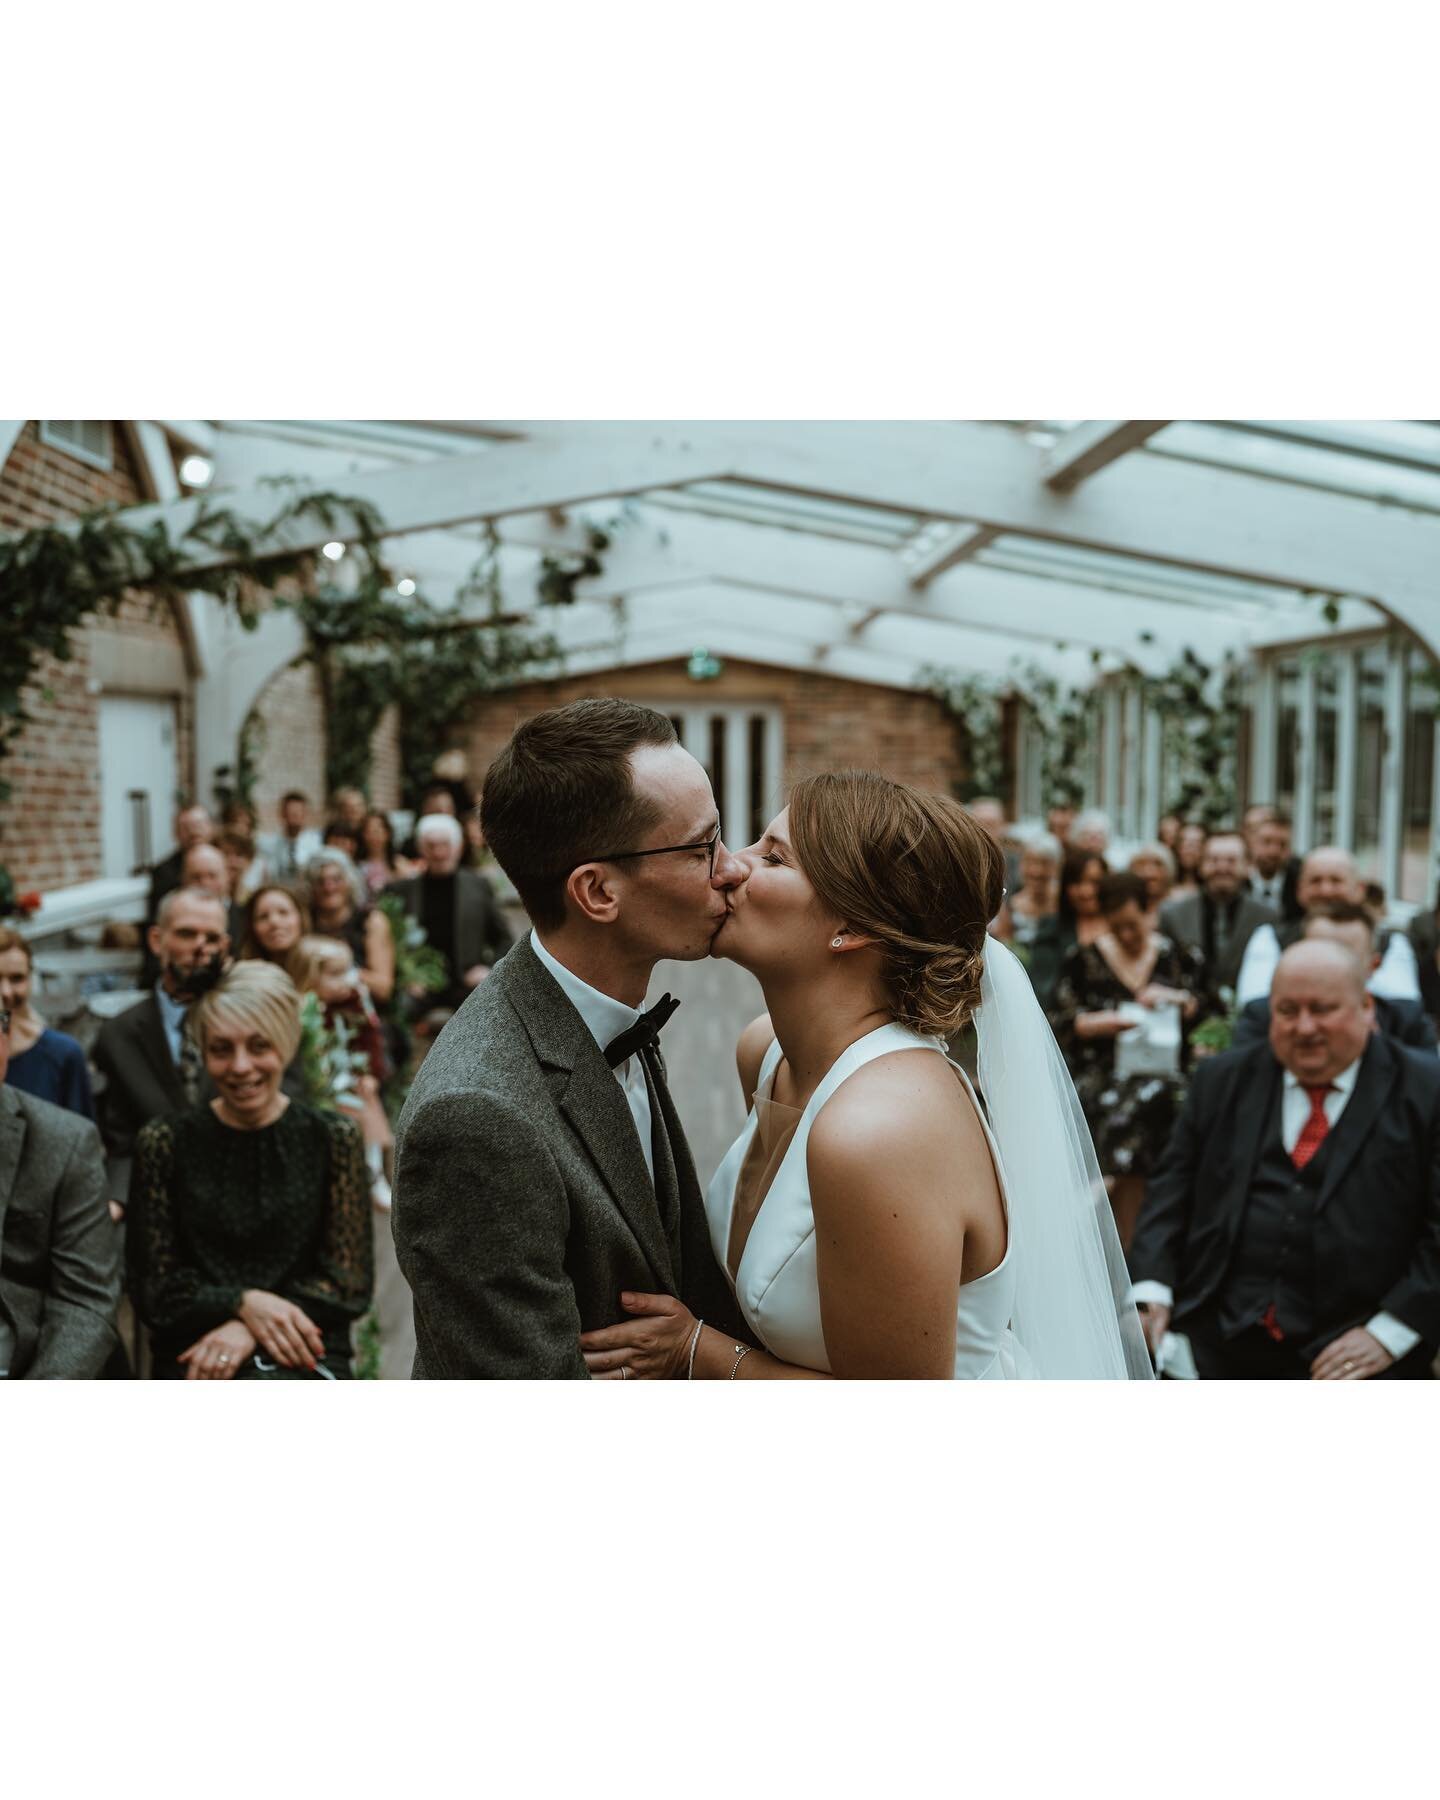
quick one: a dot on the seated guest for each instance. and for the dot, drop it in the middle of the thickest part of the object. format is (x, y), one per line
(378, 861)
(250, 1239)
(456, 907)
(59, 1249)
(438, 797)
(1274, 872)
(1423, 932)
(193, 825)
(244, 868)
(1130, 1116)
(1036, 898)
(288, 850)
(1076, 920)
(347, 808)
(1342, 922)
(328, 971)
(1328, 873)
(1091, 831)
(340, 907)
(988, 812)
(342, 837)
(45, 1063)
(1168, 830)
(1221, 918)
(1290, 1231)
(1189, 850)
(1155, 866)
(151, 1068)
(275, 921)
(1058, 821)
(203, 870)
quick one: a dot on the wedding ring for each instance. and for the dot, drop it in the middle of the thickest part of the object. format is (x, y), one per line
(224, 1359)
(624, 1373)
(1348, 1367)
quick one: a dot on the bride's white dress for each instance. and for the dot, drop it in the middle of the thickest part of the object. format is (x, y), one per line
(776, 1282)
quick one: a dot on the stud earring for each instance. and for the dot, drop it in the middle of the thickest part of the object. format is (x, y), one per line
(835, 943)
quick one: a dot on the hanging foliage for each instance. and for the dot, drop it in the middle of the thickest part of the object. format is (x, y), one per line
(1199, 708)
(1064, 719)
(974, 702)
(54, 577)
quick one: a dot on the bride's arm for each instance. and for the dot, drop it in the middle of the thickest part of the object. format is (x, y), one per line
(896, 1170)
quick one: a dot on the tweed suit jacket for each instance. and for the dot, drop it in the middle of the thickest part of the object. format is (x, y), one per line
(523, 1206)
(59, 1248)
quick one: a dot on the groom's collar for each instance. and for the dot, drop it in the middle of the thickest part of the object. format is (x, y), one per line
(605, 1018)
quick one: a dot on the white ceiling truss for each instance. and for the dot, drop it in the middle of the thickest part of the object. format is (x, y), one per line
(870, 550)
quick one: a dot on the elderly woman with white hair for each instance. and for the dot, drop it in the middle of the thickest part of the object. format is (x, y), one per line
(249, 1243)
(457, 909)
(340, 907)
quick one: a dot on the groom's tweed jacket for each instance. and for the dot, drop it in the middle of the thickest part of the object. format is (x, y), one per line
(523, 1206)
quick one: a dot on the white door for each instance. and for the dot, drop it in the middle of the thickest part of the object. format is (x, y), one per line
(139, 781)
(742, 748)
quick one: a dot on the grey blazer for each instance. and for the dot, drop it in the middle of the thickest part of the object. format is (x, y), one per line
(522, 1203)
(1181, 919)
(59, 1248)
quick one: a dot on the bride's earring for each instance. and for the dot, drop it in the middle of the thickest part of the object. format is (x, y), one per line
(835, 943)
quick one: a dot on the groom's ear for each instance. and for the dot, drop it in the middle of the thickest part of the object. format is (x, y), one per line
(592, 890)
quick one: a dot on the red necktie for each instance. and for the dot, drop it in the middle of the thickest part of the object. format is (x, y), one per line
(1315, 1129)
(1312, 1136)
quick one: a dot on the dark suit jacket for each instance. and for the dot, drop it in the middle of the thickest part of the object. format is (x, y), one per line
(1289, 898)
(481, 934)
(1403, 1020)
(1377, 1222)
(59, 1248)
(523, 1207)
(1182, 920)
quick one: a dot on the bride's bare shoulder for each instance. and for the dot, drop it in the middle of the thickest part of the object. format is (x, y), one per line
(755, 1040)
(907, 1108)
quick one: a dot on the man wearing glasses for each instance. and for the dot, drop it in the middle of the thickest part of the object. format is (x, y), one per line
(59, 1247)
(541, 1169)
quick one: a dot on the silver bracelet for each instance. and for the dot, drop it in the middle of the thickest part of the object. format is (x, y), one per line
(690, 1360)
(744, 1350)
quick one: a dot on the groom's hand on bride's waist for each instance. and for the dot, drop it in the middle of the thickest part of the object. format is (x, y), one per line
(651, 1344)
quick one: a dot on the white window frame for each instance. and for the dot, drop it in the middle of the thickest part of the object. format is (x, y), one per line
(51, 437)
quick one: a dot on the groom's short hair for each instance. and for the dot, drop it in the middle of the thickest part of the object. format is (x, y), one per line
(561, 792)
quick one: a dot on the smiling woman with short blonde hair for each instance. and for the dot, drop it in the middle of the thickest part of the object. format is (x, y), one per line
(249, 1241)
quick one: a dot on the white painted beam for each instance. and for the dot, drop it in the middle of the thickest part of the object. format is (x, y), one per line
(1092, 446)
(10, 430)
(956, 547)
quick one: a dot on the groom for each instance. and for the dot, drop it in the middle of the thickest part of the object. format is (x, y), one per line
(541, 1168)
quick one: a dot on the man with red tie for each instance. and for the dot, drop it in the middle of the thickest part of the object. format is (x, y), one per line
(1292, 1230)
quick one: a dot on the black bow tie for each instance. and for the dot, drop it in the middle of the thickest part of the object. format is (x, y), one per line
(642, 1034)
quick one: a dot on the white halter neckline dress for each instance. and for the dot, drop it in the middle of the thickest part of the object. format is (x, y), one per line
(776, 1283)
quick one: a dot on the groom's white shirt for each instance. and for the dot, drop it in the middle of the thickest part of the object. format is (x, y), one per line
(606, 1019)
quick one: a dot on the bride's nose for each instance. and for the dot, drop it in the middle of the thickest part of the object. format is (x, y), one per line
(730, 868)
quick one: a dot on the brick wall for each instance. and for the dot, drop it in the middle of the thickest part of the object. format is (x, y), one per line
(828, 723)
(50, 826)
(292, 752)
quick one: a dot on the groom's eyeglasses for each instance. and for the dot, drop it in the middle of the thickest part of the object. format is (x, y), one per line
(710, 844)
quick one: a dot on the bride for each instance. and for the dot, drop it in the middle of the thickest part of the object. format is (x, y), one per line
(875, 1218)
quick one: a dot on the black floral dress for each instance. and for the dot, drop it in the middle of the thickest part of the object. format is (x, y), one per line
(1130, 1119)
(214, 1211)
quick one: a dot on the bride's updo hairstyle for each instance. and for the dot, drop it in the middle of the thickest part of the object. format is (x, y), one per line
(911, 870)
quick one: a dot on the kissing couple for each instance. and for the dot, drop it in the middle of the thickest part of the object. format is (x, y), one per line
(874, 1219)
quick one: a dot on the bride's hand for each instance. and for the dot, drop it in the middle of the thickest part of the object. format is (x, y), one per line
(651, 1346)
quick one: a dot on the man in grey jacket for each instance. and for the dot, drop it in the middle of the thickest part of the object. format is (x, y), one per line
(59, 1247)
(541, 1168)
